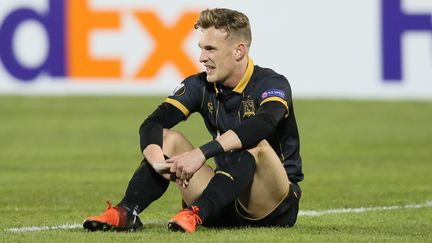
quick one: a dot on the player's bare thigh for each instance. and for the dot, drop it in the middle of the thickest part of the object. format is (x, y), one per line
(175, 143)
(270, 183)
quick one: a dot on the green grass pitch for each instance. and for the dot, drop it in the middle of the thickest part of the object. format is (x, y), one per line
(62, 157)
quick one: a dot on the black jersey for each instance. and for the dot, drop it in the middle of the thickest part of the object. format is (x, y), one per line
(223, 109)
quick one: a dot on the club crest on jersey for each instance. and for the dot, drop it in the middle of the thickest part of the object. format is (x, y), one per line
(210, 107)
(273, 93)
(179, 90)
(248, 108)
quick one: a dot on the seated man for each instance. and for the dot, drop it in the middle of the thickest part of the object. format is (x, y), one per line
(249, 112)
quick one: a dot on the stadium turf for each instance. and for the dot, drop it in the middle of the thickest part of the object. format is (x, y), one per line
(62, 157)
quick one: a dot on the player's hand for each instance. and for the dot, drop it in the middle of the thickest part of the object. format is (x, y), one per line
(154, 155)
(182, 183)
(186, 164)
(161, 167)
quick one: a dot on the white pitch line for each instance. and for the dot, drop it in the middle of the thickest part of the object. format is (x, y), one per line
(302, 213)
(313, 213)
(44, 228)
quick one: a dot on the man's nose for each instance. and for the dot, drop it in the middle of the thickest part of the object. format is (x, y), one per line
(203, 57)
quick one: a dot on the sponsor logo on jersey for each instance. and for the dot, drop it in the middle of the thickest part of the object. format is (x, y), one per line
(273, 93)
(179, 90)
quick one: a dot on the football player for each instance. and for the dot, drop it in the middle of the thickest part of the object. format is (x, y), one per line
(249, 111)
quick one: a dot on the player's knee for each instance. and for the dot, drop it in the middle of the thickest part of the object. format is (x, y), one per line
(260, 148)
(171, 136)
(238, 165)
(167, 134)
(175, 143)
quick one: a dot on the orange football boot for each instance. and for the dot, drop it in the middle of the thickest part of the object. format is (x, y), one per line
(186, 220)
(114, 218)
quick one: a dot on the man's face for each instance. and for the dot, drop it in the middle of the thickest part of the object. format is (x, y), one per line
(217, 54)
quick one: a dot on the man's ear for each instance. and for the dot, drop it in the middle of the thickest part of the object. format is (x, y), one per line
(240, 51)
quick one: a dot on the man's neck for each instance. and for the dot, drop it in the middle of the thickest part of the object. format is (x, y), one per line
(237, 75)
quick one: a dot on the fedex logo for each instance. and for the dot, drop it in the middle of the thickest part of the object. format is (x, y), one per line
(68, 24)
(394, 24)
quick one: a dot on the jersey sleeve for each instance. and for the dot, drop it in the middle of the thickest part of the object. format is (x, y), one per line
(187, 96)
(275, 88)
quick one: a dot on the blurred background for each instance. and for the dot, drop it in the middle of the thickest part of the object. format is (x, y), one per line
(380, 49)
(77, 78)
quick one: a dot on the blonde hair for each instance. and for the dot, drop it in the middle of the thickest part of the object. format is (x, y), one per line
(230, 21)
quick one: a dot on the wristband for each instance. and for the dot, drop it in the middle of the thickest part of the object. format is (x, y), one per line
(211, 149)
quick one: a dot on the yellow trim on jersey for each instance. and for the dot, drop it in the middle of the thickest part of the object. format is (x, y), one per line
(225, 174)
(178, 105)
(215, 87)
(278, 99)
(274, 98)
(246, 77)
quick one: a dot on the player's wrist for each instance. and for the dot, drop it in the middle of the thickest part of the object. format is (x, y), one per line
(211, 149)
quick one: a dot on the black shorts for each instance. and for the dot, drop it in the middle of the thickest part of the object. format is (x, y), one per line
(285, 214)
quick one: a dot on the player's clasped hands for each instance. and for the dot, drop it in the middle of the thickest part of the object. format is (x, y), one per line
(183, 166)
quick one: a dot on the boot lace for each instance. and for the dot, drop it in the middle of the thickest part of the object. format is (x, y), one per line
(193, 217)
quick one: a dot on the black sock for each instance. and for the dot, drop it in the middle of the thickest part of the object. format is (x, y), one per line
(145, 186)
(232, 177)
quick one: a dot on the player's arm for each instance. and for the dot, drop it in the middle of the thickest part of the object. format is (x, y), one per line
(151, 131)
(250, 132)
(246, 135)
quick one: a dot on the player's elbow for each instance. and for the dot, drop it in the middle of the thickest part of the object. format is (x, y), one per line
(254, 130)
